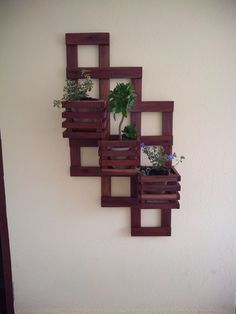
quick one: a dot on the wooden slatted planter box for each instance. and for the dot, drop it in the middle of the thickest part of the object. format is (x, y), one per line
(85, 119)
(160, 189)
(119, 157)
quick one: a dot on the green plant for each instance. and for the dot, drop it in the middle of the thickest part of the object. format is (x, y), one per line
(121, 98)
(159, 159)
(74, 90)
(129, 132)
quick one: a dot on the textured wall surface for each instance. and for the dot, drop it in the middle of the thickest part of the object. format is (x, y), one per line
(68, 253)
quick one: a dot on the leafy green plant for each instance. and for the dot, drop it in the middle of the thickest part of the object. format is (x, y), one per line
(74, 90)
(159, 159)
(121, 98)
(129, 132)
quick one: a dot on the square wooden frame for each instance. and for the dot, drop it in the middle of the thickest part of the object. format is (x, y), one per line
(163, 230)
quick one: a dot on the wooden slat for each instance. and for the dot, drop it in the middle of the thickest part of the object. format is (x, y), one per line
(159, 188)
(104, 84)
(72, 57)
(75, 154)
(118, 163)
(118, 201)
(105, 185)
(166, 218)
(119, 172)
(160, 203)
(113, 153)
(84, 125)
(123, 143)
(87, 38)
(153, 179)
(167, 123)
(160, 197)
(151, 231)
(84, 142)
(85, 171)
(163, 206)
(84, 115)
(84, 135)
(154, 106)
(105, 72)
(85, 104)
(135, 214)
(157, 140)
(135, 118)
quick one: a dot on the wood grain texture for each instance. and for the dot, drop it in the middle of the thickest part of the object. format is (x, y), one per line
(151, 231)
(74, 73)
(154, 106)
(163, 140)
(91, 127)
(160, 189)
(118, 201)
(87, 39)
(99, 105)
(138, 230)
(83, 171)
(119, 155)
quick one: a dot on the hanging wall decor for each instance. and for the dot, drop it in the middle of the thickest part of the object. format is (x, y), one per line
(87, 124)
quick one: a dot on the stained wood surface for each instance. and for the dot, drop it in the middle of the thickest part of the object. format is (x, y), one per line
(146, 192)
(118, 201)
(159, 189)
(105, 72)
(99, 105)
(87, 39)
(138, 230)
(151, 231)
(154, 106)
(85, 120)
(119, 155)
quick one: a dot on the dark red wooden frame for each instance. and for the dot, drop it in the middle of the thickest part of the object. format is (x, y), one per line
(104, 73)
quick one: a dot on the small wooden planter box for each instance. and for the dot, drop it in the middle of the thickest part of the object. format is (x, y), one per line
(160, 190)
(85, 119)
(119, 157)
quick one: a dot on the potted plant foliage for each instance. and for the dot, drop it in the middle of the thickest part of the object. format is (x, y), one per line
(121, 99)
(129, 132)
(158, 183)
(85, 116)
(121, 153)
(75, 90)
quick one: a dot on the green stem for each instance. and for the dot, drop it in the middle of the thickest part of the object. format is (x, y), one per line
(120, 125)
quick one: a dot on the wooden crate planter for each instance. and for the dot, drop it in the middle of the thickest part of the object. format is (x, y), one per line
(119, 157)
(160, 190)
(85, 119)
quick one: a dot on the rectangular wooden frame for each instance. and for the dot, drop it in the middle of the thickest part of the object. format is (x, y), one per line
(138, 230)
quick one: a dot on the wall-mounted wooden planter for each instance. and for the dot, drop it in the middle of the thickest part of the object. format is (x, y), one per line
(87, 124)
(119, 157)
(85, 119)
(160, 189)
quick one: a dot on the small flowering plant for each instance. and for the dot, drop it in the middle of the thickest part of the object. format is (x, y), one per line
(76, 90)
(159, 159)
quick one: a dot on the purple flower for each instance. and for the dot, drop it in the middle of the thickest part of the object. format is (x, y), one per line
(171, 156)
(142, 145)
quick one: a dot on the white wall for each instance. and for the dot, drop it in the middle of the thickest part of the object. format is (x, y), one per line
(67, 251)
